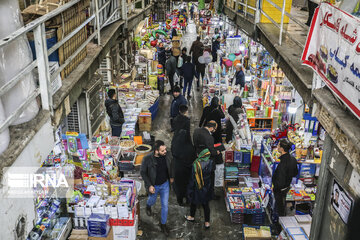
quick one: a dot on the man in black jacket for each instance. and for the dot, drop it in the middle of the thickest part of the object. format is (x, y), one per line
(162, 55)
(202, 140)
(115, 113)
(175, 104)
(283, 175)
(156, 171)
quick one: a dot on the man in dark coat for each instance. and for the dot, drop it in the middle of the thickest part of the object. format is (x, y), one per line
(176, 103)
(115, 113)
(171, 67)
(162, 55)
(215, 47)
(188, 72)
(156, 171)
(283, 175)
(239, 75)
(197, 50)
(183, 153)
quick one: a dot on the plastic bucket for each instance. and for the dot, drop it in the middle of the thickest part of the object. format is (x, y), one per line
(141, 151)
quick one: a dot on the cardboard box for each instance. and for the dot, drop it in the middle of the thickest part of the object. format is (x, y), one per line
(79, 234)
(110, 236)
(126, 232)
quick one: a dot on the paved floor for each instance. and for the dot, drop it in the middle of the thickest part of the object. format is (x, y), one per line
(221, 227)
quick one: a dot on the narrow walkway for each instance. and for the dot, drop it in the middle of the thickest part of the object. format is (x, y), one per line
(221, 227)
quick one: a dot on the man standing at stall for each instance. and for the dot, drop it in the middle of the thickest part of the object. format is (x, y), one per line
(115, 113)
(239, 75)
(283, 175)
(156, 171)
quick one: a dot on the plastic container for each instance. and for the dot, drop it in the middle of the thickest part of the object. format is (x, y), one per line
(141, 151)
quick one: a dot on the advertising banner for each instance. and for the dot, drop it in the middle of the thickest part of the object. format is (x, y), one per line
(341, 201)
(332, 49)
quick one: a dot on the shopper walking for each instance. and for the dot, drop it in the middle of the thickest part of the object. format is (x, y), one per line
(200, 69)
(156, 171)
(161, 54)
(173, 33)
(192, 8)
(180, 63)
(183, 153)
(200, 187)
(196, 50)
(283, 174)
(175, 104)
(215, 47)
(234, 110)
(188, 72)
(170, 66)
(115, 113)
(215, 113)
(239, 75)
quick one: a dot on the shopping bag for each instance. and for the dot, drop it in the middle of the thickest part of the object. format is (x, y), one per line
(176, 78)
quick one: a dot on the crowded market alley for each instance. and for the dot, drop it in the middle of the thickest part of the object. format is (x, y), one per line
(151, 119)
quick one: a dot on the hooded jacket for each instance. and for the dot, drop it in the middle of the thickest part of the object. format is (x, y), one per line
(175, 104)
(115, 112)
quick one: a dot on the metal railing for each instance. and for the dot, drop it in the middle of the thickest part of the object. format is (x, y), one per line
(258, 11)
(42, 52)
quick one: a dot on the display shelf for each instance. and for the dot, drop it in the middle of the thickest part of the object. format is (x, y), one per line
(268, 152)
(266, 163)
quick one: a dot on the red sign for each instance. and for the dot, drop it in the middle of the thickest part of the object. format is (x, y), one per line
(332, 50)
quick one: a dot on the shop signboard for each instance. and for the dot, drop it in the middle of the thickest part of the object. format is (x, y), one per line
(341, 201)
(332, 50)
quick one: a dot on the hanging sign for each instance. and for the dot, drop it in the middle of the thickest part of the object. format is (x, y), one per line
(332, 50)
(341, 201)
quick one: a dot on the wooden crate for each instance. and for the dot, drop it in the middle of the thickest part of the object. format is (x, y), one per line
(71, 19)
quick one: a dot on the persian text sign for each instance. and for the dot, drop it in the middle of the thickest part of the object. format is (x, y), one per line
(333, 50)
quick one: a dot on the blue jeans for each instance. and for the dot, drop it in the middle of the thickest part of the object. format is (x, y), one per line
(187, 84)
(163, 190)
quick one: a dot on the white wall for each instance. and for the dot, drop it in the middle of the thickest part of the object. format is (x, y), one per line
(33, 155)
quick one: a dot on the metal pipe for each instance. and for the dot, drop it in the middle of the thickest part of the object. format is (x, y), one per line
(282, 22)
(109, 66)
(97, 22)
(246, 7)
(43, 67)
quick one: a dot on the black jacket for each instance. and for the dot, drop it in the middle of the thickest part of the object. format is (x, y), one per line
(215, 47)
(115, 112)
(197, 49)
(285, 171)
(240, 78)
(188, 71)
(148, 169)
(162, 56)
(234, 110)
(202, 140)
(181, 144)
(215, 114)
(175, 104)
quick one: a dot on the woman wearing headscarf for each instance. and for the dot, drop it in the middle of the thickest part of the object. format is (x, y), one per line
(200, 187)
(213, 112)
(234, 110)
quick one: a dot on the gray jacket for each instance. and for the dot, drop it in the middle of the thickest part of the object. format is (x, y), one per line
(171, 65)
(148, 169)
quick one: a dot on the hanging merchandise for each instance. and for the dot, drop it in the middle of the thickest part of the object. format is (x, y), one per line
(201, 5)
(233, 44)
(10, 21)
